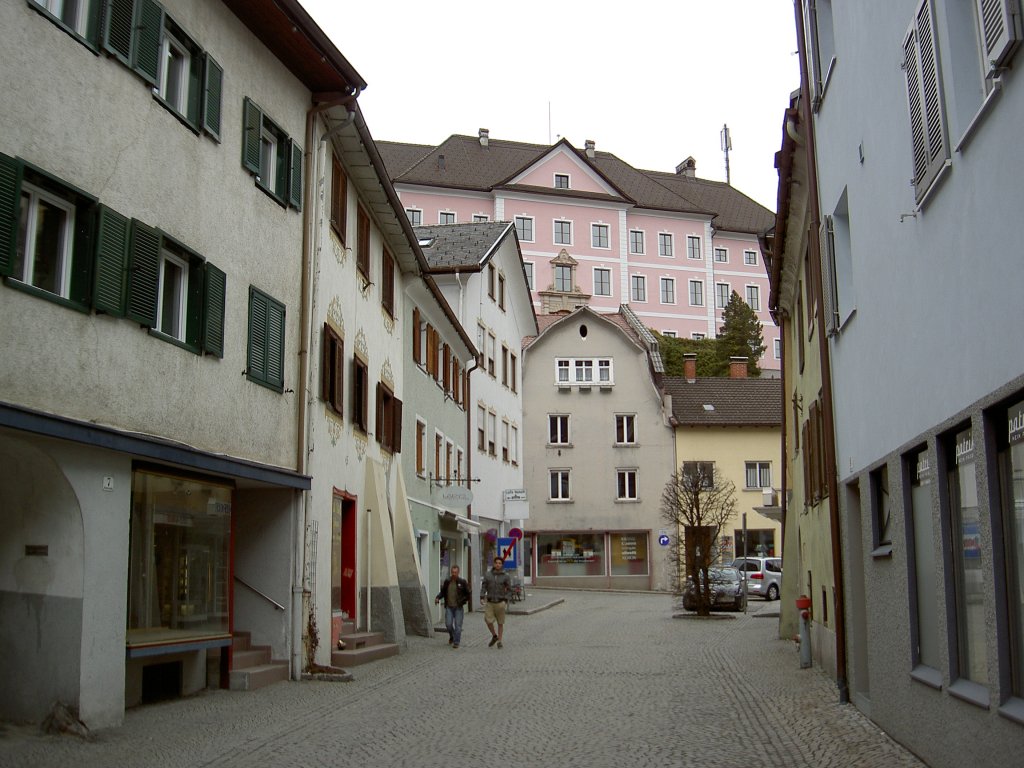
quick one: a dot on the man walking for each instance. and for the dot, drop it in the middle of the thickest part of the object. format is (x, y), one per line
(456, 593)
(495, 590)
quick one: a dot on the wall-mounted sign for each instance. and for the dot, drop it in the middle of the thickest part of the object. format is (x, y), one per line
(454, 495)
(514, 494)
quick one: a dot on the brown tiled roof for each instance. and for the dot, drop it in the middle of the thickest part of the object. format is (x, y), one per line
(468, 165)
(734, 402)
(460, 246)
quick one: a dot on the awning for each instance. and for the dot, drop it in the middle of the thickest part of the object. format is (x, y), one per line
(462, 522)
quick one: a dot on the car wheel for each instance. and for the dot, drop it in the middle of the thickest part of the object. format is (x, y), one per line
(773, 592)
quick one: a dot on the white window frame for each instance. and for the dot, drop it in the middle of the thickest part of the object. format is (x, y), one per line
(605, 376)
(563, 371)
(506, 430)
(557, 176)
(583, 371)
(172, 49)
(698, 336)
(79, 24)
(608, 272)
(690, 250)
(669, 334)
(580, 371)
(35, 195)
(492, 433)
(749, 258)
(625, 427)
(421, 435)
(415, 216)
(181, 314)
(480, 218)
(528, 268)
(559, 424)
(724, 252)
(514, 445)
(555, 233)
(268, 157)
(663, 283)
(699, 285)
(753, 293)
(533, 232)
(442, 215)
(595, 230)
(666, 245)
(777, 348)
(564, 484)
(558, 278)
(626, 485)
(762, 474)
(642, 242)
(722, 301)
(638, 281)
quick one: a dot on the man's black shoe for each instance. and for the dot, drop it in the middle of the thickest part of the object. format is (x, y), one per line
(494, 639)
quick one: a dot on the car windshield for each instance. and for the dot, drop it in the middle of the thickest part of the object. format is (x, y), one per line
(724, 574)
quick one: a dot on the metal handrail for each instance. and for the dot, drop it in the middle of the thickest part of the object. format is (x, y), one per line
(269, 599)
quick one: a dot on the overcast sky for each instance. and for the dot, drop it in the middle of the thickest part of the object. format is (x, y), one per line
(651, 81)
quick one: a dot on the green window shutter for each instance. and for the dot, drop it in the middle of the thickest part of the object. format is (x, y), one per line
(118, 25)
(275, 345)
(10, 199)
(295, 175)
(111, 275)
(213, 311)
(252, 126)
(82, 251)
(143, 274)
(149, 25)
(212, 92)
(195, 90)
(195, 323)
(256, 363)
(94, 22)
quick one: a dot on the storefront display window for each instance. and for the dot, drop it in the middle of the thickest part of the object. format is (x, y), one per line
(179, 559)
(570, 554)
(1012, 472)
(629, 554)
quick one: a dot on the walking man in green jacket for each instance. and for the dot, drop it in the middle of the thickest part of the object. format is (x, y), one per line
(495, 591)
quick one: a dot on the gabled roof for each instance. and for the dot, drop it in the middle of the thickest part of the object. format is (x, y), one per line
(625, 319)
(463, 247)
(461, 162)
(733, 402)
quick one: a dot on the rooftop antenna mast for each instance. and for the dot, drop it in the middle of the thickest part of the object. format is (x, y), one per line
(726, 146)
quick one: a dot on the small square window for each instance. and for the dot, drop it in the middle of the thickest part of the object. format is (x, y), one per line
(415, 216)
(524, 229)
(721, 255)
(664, 244)
(445, 217)
(599, 235)
(602, 282)
(693, 247)
(561, 181)
(750, 258)
(636, 241)
(563, 232)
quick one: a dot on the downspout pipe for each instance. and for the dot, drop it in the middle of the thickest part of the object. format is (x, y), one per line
(310, 217)
(826, 368)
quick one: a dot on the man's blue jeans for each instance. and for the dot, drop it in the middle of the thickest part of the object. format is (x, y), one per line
(453, 621)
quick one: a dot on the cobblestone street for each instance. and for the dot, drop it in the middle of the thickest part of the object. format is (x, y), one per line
(598, 680)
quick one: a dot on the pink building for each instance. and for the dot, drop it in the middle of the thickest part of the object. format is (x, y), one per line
(594, 230)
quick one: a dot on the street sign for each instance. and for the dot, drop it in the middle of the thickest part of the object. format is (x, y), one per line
(516, 533)
(663, 540)
(508, 551)
(514, 494)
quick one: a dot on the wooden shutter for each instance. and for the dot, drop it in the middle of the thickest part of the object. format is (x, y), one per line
(149, 25)
(416, 348)
(380, 425)
(924, 99)
(143, 274)
(830, 299)
(1000, 33)
(118, 26)
(294, 174)
(252, 129)
(111, 275)
(275, 344)
(10, 202)
(339, 199)
(213, 91)
(257, 358)
(214, 296)
(196, 89)
(396, 425)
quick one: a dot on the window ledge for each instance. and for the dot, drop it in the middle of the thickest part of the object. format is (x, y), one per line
(178, 116)
(627, 501)
(176, 342)
(35, 6)
(935, 184)
(1013, 709)
(971, 692)
(15, 283)
(559, 445)
(559, 501)
(928, 676)
(882, 551)
(625, 445)
(269, 192)
(986, 105)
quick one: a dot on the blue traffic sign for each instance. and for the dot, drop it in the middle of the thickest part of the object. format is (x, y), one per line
(663, 540)
(508, 551)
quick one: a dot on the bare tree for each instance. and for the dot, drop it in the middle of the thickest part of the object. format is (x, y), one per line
(698, 506)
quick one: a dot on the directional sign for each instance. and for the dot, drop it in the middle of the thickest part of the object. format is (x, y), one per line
(663, 540)
(508, 551)
(516, 533)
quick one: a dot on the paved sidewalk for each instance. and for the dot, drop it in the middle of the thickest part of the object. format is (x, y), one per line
(599, 680)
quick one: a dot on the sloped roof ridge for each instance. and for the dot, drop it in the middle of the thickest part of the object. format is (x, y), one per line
(645, 336)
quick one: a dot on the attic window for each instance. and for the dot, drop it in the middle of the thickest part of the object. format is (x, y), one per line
(561, 181)
(708, 407)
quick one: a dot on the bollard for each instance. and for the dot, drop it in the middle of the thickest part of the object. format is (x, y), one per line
(805, 639)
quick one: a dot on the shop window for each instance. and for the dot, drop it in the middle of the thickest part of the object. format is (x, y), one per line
(924, 599)
(571, 554)
(178, 582)
(881, 511)
(758, 542)
(629, 554)
(1009, 429)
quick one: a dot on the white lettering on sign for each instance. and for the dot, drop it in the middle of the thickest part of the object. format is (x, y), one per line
(1016, 426)
(965, 449)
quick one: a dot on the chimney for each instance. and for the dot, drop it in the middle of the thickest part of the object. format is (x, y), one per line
(590, 145)
(690, 366)
(485, 136)
(687, 168)
(737, 367)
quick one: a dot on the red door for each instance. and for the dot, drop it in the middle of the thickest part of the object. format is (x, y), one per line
(343, 564)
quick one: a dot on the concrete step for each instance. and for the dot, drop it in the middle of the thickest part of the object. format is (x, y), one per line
(253, 657)
(348, 627)
(251, 678)
(356, 640)
(364, 655)
(240, 641)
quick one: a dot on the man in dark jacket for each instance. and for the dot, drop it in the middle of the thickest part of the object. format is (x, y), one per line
(496, 588)
(456, 593)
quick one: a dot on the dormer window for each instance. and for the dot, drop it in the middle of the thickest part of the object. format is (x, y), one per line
(561, 181)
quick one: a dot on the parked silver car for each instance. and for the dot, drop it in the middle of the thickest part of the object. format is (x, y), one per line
(764, 575)
(726, 590)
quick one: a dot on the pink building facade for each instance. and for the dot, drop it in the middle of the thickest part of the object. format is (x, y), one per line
(594, 230)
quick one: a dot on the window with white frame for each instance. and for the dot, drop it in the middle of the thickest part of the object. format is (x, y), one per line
(698, 336)
(668, 290)
(558, 429)
(584, 371)
(445, 217)
(492, 433)
(722, 293)
(721, 255)
(561, 181)
(626, 484)
(563, 277)
(575, 370)
(625, 428)
(175, 85)
(758, 474)
(820, 46)
(479, 218)
(45, 241)
(563, 232)
(599, 236)
(636, 241)
(492, 351)
(638, 287)
(669, 334)
(524, 229)
(602, 281)
(172, 295)
(562, 371)
(664, 244)
(750, 258)
(528, 268)
(754, 297)
(76, 15)
(777, 348)
(415, 216)
(481, 428)
(421, 448)
(514, 445)
(559, 485)
(506, 433)
(604, 371)
(696, 293)
(693, 247)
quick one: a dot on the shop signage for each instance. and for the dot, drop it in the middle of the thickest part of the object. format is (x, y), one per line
(455, 496)
(1016, 425)
(514, 494)
(964, 447)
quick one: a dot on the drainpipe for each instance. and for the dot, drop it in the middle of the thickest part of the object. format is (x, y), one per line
(467, 394)
(826, 370)
(311, 214)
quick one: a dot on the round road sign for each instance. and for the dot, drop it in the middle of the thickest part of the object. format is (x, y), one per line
(516, 533)
(663, 540)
